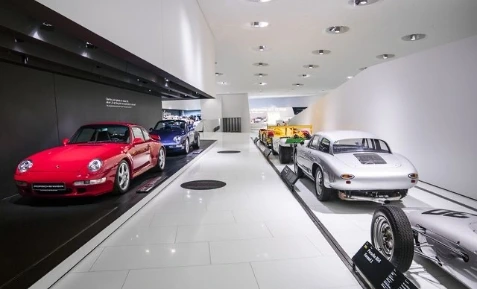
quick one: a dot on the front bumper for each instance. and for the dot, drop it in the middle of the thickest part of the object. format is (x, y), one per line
(174, 146)
(62, 185)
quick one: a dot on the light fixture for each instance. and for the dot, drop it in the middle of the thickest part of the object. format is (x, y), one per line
(337, 29)
(90, 45)
(261, 48)
(349, 77)
(262, 83)
(304, 75)
(260, 1)
(222, 83)
(385, 56)
(259, 24)
(261, 64)
(297, 84)
(218, 74)
(261, 74)
(414, 37)
(362, 2)
(321, 52)
(311, 66)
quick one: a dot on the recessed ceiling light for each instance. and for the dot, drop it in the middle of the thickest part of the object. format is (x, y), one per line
(261, 64)
(262, 83)
(304, 75)
(91, 45)
(385, 56)
(261, 74)
(260, 1)
(259, 24)
(222, 83)
(261, 48)
(337, 29)
(298, 84)
(311, 66)
(218, 74)
(414, 37)
(321, 52)
(349, 77)
(362, 2)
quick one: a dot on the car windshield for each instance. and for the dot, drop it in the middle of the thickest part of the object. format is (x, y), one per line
(170, 125)
(360, 145)
(101, 133)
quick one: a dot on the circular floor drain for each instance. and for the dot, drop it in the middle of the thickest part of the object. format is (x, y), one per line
(228, 152)
(203, 185)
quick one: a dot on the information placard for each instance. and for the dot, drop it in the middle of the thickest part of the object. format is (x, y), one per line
(289, 176)
(379, 271)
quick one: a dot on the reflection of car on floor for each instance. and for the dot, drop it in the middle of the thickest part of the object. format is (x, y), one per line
(447, 238)
(176, 135)
(99, 158)
(357, 165)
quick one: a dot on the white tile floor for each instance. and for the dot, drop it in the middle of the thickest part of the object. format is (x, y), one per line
(350, 225)
(250, 234)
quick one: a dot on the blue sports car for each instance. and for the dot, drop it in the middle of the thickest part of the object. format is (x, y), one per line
(176, 135)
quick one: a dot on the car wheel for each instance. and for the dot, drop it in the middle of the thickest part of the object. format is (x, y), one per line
(186, 146)
(322, 193)
(122, 179)
(298, 170)
(284, 154)
(161, 159)
(197, 143)
(391, 234)
(403, 193)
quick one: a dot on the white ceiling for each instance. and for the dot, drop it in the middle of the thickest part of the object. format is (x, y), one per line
(297, 27)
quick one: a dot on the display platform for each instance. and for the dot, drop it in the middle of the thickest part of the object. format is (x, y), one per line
(38, 235)
(350, 222)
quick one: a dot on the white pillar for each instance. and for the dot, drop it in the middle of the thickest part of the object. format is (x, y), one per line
(236, 105)
(211, 112)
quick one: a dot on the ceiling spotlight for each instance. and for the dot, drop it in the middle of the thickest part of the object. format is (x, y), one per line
(414, 37)
(385, 56)
(222, 83)
(260, 1)
(298, 84)
(362, 2)
(349, 77)
(261, 64)
(337, 29)
(311, 66)
(261, 74)
(304, 75)
(218, 74)
(261, 48)
(321, 52)
(91, 45)
(259, 24)
(262, 83)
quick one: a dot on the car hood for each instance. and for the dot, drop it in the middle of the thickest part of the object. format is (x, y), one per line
(72, 157)
(370, 160)
(168, 135)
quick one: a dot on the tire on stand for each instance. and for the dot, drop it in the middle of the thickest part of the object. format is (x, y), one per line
(122, 180)
(391, 234)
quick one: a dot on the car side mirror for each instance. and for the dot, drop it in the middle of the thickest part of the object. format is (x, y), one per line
(138, 141)
(65, 141)
(155, 137)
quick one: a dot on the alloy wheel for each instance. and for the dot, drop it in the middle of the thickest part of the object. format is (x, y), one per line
(123, 176)
(162, 158)
(318, 182)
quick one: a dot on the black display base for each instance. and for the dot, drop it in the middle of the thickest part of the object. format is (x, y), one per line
(378, 270)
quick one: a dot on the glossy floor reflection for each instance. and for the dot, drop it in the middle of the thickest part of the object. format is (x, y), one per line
(350, 224)
(249, 234)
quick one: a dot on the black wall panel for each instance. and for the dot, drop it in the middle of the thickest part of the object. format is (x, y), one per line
(39, 109)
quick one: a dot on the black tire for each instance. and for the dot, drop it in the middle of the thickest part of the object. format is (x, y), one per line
(403, 193)
(285, 154)
(197, 142)
(186, 146)
(322, 193)
(161, 163)
(274, 152)
(298, 170)
(119, 188)
(392, 219)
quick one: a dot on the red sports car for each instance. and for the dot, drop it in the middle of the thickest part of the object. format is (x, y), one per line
(99, 158)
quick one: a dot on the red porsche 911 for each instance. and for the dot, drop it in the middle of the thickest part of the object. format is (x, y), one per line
(99, 158)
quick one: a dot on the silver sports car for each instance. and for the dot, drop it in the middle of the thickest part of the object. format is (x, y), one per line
(447, 238)
(357, 165)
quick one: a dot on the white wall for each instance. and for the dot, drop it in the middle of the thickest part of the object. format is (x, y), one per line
(171, 34)
(424, 105)
(299, 101)
(236, 105)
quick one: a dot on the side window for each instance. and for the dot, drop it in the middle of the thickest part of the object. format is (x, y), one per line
(137, 132)
(314, 142)
(324, 146)
(146, 135)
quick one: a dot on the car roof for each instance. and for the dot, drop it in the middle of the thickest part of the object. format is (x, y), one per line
(111, 123)
(336, 135)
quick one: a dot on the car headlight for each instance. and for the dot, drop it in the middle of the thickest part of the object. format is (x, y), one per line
(25, 166)
(95, 165)
(177, 138)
